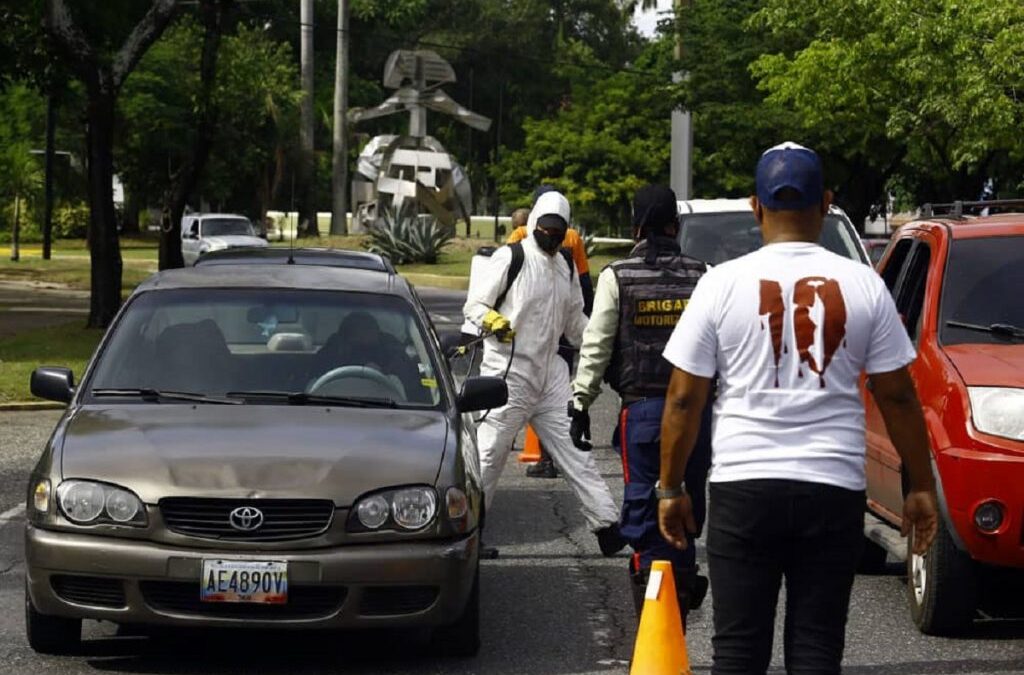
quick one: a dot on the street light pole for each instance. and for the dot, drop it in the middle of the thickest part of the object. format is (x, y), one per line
(339, 160)
(307, 199)
(51, 122)
(681, 163)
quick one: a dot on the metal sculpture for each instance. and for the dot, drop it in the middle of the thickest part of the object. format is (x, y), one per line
(413, 172)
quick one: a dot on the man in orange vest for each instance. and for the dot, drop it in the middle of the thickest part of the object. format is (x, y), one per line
(545, 468)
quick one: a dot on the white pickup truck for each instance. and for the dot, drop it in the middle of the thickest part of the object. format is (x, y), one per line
(203, 232)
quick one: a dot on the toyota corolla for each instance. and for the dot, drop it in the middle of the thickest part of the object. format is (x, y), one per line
(260, 445)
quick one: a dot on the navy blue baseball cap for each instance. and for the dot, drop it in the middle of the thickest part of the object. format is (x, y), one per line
(792, 166)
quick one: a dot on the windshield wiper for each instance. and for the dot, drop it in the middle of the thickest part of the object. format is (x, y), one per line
(155, 395)
(303, 398)
(1000, 329)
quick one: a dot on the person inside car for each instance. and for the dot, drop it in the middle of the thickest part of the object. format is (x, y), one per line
(359, 341)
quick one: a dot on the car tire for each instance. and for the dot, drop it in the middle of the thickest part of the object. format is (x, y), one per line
(51, 634)
(872, 559)
(462, 638)
(941, 586)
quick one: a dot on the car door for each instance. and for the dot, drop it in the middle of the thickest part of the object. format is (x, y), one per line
(905, 272)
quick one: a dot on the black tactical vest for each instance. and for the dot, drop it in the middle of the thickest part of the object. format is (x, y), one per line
(651, 300)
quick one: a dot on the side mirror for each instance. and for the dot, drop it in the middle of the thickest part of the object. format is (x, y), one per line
(53, 383)
(482, 393)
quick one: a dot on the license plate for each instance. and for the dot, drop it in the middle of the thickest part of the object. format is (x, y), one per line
(244, 581)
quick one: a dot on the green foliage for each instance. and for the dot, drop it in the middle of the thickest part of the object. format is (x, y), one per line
(71, 222)
(407, 238)
(256, 99)
(610, 137)
(931, 85)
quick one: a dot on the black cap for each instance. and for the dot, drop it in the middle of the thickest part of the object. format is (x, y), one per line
(654, 207)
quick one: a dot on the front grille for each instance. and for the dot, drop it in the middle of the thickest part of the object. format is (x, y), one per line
(384, 600)
(96, 591)
(282, 518)
(182, 597)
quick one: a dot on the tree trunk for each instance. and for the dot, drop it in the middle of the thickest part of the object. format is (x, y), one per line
(15, 247)
(104, 246)
(187, 177)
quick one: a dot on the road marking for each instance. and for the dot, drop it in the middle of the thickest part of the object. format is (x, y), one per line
(12, 513)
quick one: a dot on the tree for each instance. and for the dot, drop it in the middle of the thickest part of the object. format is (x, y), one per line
(609, 138)
(86, 48)
(252, 116)
(186, 177)
(927, 90)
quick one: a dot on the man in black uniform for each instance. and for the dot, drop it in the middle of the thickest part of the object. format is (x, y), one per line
(637, 304)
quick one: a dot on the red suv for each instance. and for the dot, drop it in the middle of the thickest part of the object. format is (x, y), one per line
(959, 286)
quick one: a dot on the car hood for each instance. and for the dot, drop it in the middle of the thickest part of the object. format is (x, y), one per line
(167, 450)
(230, 240)
(984, 365)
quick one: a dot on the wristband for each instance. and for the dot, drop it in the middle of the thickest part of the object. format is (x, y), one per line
(669, 493)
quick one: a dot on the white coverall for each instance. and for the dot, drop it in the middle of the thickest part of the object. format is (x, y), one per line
(543, 303)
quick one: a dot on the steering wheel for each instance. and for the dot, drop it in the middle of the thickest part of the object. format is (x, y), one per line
(361, 372)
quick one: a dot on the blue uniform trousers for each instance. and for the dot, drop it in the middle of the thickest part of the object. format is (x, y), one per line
(638, 440)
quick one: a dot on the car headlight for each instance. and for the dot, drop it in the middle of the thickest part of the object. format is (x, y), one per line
(414, 508)
(411, 508)
(998, 411)
(373, 512)
(85, 502)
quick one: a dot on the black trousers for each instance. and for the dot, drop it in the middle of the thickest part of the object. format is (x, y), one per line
(761, 532)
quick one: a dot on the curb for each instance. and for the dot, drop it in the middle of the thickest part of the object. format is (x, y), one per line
(31, 405)
(437, 281)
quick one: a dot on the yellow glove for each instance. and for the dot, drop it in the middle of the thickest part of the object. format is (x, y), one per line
(499, 325)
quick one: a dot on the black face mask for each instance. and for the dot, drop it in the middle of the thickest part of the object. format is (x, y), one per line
(549, 243)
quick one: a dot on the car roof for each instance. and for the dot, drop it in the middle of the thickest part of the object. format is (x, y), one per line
(712, 205)
(273, 275)
(216, 215)
(974, 227)
(686, 206)
(327, 257)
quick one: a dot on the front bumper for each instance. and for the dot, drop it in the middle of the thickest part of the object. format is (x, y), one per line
(422, 583)
(972, 476)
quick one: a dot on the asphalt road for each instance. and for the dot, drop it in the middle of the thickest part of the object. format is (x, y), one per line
(551, 603)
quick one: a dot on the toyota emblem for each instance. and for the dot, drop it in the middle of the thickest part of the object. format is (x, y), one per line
(246, 518)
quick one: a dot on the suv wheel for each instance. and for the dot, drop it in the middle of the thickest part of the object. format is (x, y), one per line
(51, 634)
(941, 585)
(462, 638)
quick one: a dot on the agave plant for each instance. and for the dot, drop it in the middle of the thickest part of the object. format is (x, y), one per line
(408, 238)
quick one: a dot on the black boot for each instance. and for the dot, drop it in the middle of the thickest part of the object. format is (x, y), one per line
(545, 468)
(610, 540)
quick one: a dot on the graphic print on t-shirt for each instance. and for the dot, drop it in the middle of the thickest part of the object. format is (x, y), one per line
(822, 336)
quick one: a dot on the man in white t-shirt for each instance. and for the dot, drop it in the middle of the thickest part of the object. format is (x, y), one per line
(788, 329)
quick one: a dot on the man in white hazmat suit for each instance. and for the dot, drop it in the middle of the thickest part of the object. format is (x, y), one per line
(542, 303)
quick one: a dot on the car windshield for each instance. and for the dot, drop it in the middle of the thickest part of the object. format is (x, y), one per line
(982, 289)
(268, 346)
(718, 237)
(220, 227)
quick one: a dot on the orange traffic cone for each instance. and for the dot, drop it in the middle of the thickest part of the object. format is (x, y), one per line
(660, 641)
(531, 447)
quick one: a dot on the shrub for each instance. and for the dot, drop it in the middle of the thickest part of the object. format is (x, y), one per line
(71, 222)
(408, 238)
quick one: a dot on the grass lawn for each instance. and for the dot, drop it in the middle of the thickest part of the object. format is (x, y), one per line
(68, 345)
(71, 271)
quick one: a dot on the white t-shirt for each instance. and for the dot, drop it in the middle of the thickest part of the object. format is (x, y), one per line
(789, 329)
